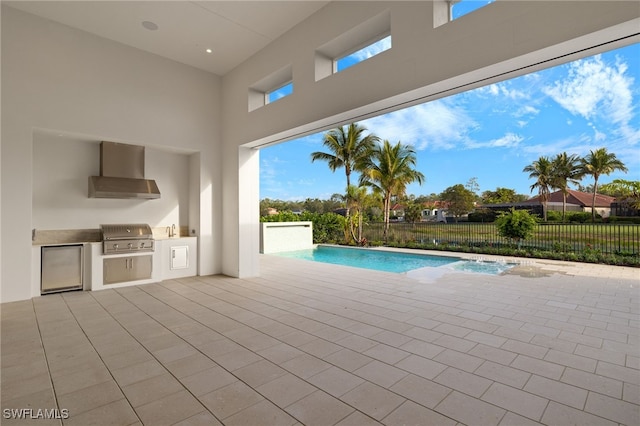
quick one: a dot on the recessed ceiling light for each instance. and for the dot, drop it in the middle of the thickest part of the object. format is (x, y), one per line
(209, 51)
(151, 26)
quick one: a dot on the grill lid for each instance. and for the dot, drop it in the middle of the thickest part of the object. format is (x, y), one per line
(135, 231)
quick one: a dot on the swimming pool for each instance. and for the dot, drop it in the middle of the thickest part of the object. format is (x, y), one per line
(391, 261)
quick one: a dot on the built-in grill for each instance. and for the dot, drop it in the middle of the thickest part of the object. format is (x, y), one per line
(127, 238)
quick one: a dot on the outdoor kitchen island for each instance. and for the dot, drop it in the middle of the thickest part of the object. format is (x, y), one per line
(167, 258)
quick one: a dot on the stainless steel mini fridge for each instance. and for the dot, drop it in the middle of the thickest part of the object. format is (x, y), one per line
(61, 268)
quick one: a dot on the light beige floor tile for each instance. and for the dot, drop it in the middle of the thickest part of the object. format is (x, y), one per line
(145, 391)
(381, 374)
(91, 397)
(613, 409)
(207, 381)
(411, 413)
(386, 353)
(512, 399)
(169, 409)
(189, 365)
(469, 410)
(459, 360)
(372, 400)
(231, 399)
(348, 360)
(286, 390)
(358, 419)
(280, 353)
(137, 372)
(558, 414)
(237, 359)
(262, 413)
(424, 349)
(335, 381)
(557, 391)
(503, 374)
(513, 419)
(116, 413)
(539, 367)
(463, 381)
(421, 366)
(203, 418)
(424, 392)
(305, 365)
(259, 373)
(174, 353)
(319, 409)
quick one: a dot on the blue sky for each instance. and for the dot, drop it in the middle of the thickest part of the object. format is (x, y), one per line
(491, 133)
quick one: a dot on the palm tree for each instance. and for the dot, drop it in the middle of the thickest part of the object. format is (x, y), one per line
(358, 198)
(348, 147)
(542, 171)
(598, 163)
(389, 171)
(566, 170)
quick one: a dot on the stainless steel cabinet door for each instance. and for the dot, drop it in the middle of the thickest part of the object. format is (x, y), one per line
(123, 269)
(61, 268)
(141, 267)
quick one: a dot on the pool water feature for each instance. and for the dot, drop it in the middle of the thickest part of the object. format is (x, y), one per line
(392, 261)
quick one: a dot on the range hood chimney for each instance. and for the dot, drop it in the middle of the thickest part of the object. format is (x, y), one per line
(122, 173)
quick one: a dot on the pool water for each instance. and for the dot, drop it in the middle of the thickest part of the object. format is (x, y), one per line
(389, 261)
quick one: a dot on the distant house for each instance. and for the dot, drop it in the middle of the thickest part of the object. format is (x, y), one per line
(435, 211)
(576, 202)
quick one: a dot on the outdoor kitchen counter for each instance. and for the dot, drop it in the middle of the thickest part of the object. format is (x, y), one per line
(47, 237)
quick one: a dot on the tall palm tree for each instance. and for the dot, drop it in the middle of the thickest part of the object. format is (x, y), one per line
(597, 163)
(389, 171)
(542, 171)
(566, 170)
(348, 147)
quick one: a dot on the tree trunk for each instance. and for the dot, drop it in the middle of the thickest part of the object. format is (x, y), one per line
(593, 199)
(564, 205)
(387, 207)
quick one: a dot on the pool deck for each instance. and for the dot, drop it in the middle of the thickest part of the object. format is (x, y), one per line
(318, 344)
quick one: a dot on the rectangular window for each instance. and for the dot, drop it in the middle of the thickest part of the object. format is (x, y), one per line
(358, 44)
(279, 93)
(362, 54)
(274, 86)
(462, 7)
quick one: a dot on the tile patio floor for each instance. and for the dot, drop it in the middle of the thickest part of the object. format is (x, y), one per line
(315, 344)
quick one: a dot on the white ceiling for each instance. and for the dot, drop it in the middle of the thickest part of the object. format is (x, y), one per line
(233, 30)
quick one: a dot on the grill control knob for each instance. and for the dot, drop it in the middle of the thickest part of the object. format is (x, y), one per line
(142, 245)
(115, 247)
(130, 245)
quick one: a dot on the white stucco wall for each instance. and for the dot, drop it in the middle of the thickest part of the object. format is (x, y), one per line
(66, 81)
(277, 237)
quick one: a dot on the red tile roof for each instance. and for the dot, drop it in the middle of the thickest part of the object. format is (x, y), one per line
(576, 197)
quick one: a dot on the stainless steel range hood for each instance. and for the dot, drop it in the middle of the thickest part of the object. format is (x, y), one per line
(122, 174)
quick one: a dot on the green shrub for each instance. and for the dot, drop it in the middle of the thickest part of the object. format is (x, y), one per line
(517, 225)
(554, 216)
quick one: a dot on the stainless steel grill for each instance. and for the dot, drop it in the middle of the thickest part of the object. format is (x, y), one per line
(127, 238)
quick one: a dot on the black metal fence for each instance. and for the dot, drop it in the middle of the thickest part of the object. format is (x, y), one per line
(607, 238)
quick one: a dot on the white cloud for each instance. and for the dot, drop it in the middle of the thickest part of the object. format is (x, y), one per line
(435, 125)
(503, 89)
(373, 49)
(593, 88)
(510, 140)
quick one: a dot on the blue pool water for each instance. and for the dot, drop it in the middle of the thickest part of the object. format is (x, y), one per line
(389, 261)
